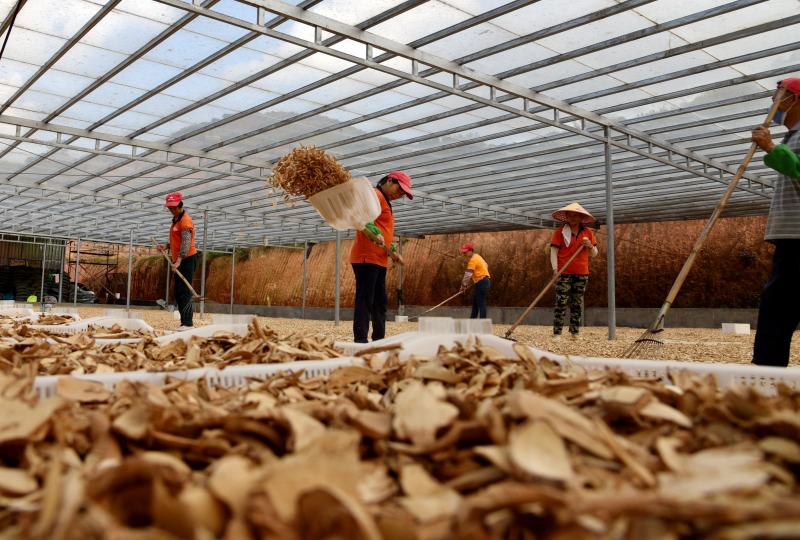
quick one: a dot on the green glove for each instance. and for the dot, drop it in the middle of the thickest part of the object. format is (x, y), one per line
(393, 248)
(371, 227)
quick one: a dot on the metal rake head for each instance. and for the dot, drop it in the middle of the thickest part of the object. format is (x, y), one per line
(646, 342)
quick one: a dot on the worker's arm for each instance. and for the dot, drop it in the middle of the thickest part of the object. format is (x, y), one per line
(373, 234)
(554, 258)
(593, 251)
(186, 243)
(465, 281)
(779, 157)
(783, 160)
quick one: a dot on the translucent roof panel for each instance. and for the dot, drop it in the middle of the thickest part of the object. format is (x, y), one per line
(107, 106)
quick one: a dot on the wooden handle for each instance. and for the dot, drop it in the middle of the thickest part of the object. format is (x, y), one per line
(440, 304)
(546, 288)
(194, 293)
(687, 266)
(385, 248)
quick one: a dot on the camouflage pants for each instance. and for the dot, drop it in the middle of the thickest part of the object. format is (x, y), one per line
(569, 292)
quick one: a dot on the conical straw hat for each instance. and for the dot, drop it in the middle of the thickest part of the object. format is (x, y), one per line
(573, 207)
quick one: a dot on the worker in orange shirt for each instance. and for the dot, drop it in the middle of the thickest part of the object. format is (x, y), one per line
(571, 284)
(478, 273)
(369, 258)
(182, 252)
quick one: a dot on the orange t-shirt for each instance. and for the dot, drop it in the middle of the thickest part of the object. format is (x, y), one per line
(185, 223)
(365, 251)
(580, 265)
(479, 268)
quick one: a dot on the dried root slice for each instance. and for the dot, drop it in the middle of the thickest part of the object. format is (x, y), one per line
(537, 450)
(419, 413)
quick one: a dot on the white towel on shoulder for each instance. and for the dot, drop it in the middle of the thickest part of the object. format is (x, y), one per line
(566, 232)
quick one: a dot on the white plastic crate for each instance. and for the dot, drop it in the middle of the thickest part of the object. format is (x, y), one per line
(46, 386)
(226, 318)
(105, 322)
(21, 314)
(742, 329)
(350, 205)
(426, 344)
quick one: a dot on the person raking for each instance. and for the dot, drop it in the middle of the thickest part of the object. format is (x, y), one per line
(478, 273)
(182, 252)
(779, 311)
(571, 285)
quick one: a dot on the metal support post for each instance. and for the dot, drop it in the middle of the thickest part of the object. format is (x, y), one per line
(305, 277)
(77, 275)
(233, 273)
(61, 272)
(400, 306)
(169, 276)
(338, 276)
(44, 261)
(130, 271)
(612, 301)
(203, 266)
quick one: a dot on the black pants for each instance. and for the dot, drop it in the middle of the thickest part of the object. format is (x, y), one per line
(371, 301)
(779, 313)
(479, 298)
(183, 296)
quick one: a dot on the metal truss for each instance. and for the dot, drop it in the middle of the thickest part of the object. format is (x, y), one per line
(665, 164)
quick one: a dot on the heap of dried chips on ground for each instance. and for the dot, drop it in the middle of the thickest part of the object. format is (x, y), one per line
(79, 353)
(306, 171)
(468, 445)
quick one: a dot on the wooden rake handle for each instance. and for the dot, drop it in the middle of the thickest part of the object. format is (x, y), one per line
(178, 272)
(541, 294)
(658, 324)
(440, 304)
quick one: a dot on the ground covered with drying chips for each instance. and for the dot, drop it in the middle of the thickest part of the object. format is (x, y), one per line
(467, 445)
(690, 344)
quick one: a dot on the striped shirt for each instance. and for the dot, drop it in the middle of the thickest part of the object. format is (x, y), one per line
(784, 212)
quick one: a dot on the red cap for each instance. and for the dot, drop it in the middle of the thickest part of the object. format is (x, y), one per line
(403, 180)
(791, 84)
(469, 246)
(173, 199)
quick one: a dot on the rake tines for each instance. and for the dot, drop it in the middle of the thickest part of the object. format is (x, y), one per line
(644, 346)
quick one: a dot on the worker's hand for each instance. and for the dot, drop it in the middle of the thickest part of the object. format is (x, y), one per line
(586, 242)
(396, 257)
(378, 239)
(763, 138)
(175, 265)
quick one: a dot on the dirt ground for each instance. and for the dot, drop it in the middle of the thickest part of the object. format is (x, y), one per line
(694, 344)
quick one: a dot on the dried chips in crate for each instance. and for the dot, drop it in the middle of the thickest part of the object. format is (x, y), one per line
(465, 445)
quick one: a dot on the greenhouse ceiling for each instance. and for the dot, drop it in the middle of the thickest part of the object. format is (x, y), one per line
(501, 111)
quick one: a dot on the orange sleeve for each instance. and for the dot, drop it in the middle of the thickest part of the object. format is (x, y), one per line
(472, 264)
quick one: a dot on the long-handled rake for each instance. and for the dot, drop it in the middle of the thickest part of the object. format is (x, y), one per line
(178, 273)
(649, 341)
(440, 304)
(541, 294)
